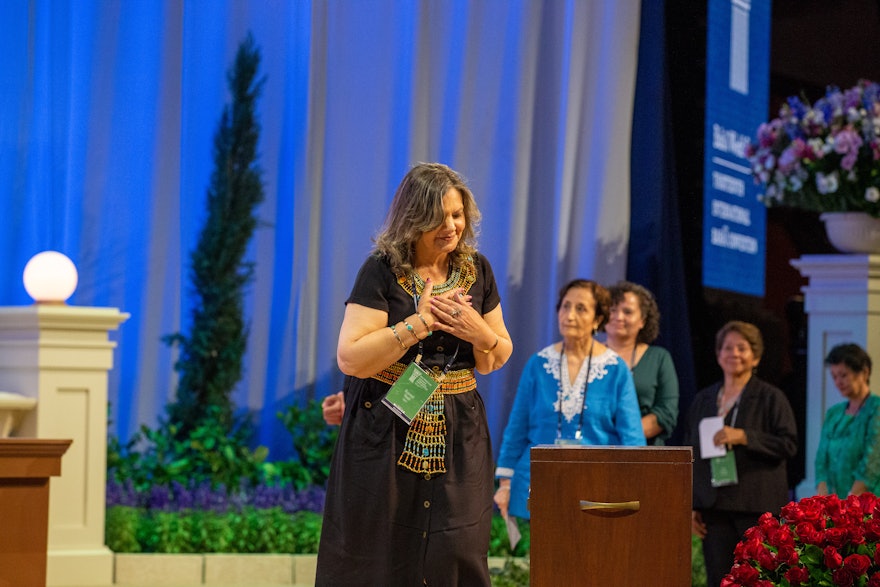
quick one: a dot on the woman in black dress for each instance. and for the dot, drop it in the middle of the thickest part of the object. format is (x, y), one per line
(412, 504)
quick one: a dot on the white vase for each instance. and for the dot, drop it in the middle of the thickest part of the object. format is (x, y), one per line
(852, 232)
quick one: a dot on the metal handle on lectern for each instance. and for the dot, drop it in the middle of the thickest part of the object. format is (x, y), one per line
(587, 506)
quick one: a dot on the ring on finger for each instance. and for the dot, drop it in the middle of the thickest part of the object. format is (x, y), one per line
(455, 313)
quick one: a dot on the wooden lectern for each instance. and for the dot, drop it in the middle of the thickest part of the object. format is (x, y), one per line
(610, 516)
(25, 467)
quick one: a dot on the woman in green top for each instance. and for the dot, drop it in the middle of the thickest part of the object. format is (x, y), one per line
(847, 460)
(633, 324)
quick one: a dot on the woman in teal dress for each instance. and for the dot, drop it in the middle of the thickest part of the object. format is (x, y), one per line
(633, 324)
(847, 459)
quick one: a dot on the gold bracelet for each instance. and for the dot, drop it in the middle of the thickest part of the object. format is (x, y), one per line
(430, 332)
(493, 346)
(400, 342)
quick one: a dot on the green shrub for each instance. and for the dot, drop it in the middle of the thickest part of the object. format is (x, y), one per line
(307, 531)
(245, 530)
(254, 530)
(209, 452)
(698, 564)
(167, 532)
(159, 457)
(210, 532)
(210, 359)
(313, 441)
(499, 542)
(121, 528)
(249, 530)
(514, 573)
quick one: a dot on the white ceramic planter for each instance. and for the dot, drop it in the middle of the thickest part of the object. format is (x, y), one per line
(852, 232)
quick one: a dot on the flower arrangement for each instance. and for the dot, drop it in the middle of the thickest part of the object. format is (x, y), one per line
(817, 541)
(823, 157)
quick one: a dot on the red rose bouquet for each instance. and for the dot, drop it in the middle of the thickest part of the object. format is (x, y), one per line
(815, 541)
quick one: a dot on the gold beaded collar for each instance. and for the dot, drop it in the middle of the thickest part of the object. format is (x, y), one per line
(463, 276)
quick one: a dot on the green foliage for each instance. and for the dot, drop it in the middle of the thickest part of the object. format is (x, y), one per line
(167, 532)
(210, 531)
(122, 528)
(698, 564)
(499, 542)
(211, 453)
(514, 573)
(211, 356)
(255, 530)
(119, 457)
(307, 531)
(314, 442)
(208, 452)
(249, 530)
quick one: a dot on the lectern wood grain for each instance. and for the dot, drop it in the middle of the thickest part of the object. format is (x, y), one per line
(610, 516)
(25, 467)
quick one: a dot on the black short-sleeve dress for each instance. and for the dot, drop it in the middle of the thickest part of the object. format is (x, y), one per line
(412, 505)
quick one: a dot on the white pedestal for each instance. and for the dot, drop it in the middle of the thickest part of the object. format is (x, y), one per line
(842, 302)
(60, 356)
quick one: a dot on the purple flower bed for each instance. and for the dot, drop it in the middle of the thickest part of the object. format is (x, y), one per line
(201, 496)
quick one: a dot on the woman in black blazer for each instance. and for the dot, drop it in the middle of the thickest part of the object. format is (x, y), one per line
(731, 493)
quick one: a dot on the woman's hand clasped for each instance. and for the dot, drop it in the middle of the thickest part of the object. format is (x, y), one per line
(454, 314)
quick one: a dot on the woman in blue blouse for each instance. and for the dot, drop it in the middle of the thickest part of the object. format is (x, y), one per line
(847, 459)
(575, 391)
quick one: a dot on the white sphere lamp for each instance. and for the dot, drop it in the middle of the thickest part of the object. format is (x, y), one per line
(50, 277)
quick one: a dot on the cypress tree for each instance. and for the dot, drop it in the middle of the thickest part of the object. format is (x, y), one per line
(210, 360)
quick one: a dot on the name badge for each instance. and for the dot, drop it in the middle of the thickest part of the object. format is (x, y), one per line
(410, 392)
(724, 470)
(561, 441)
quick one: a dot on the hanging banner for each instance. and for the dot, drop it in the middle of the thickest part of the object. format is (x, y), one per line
(737, 87)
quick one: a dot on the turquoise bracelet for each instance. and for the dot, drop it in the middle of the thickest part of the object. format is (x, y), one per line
(411, 331)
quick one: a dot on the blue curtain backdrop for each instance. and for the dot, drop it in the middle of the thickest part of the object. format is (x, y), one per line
(108, 113)
(655, 255)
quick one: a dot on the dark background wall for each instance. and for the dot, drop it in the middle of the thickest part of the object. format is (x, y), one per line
(814, 43)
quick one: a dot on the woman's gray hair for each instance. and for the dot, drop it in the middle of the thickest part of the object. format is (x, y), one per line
(417, 208)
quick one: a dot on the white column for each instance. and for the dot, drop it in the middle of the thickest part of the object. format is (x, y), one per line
(60, 355)
(842, 302)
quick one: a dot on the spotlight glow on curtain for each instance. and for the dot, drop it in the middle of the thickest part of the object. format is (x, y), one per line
(108, 112)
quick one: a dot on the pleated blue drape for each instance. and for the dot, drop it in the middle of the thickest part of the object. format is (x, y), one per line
(108, 113)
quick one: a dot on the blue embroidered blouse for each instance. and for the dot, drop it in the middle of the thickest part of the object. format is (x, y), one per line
(611, 415)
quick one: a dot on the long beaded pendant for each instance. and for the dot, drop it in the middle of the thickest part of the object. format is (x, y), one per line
(424, 450)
